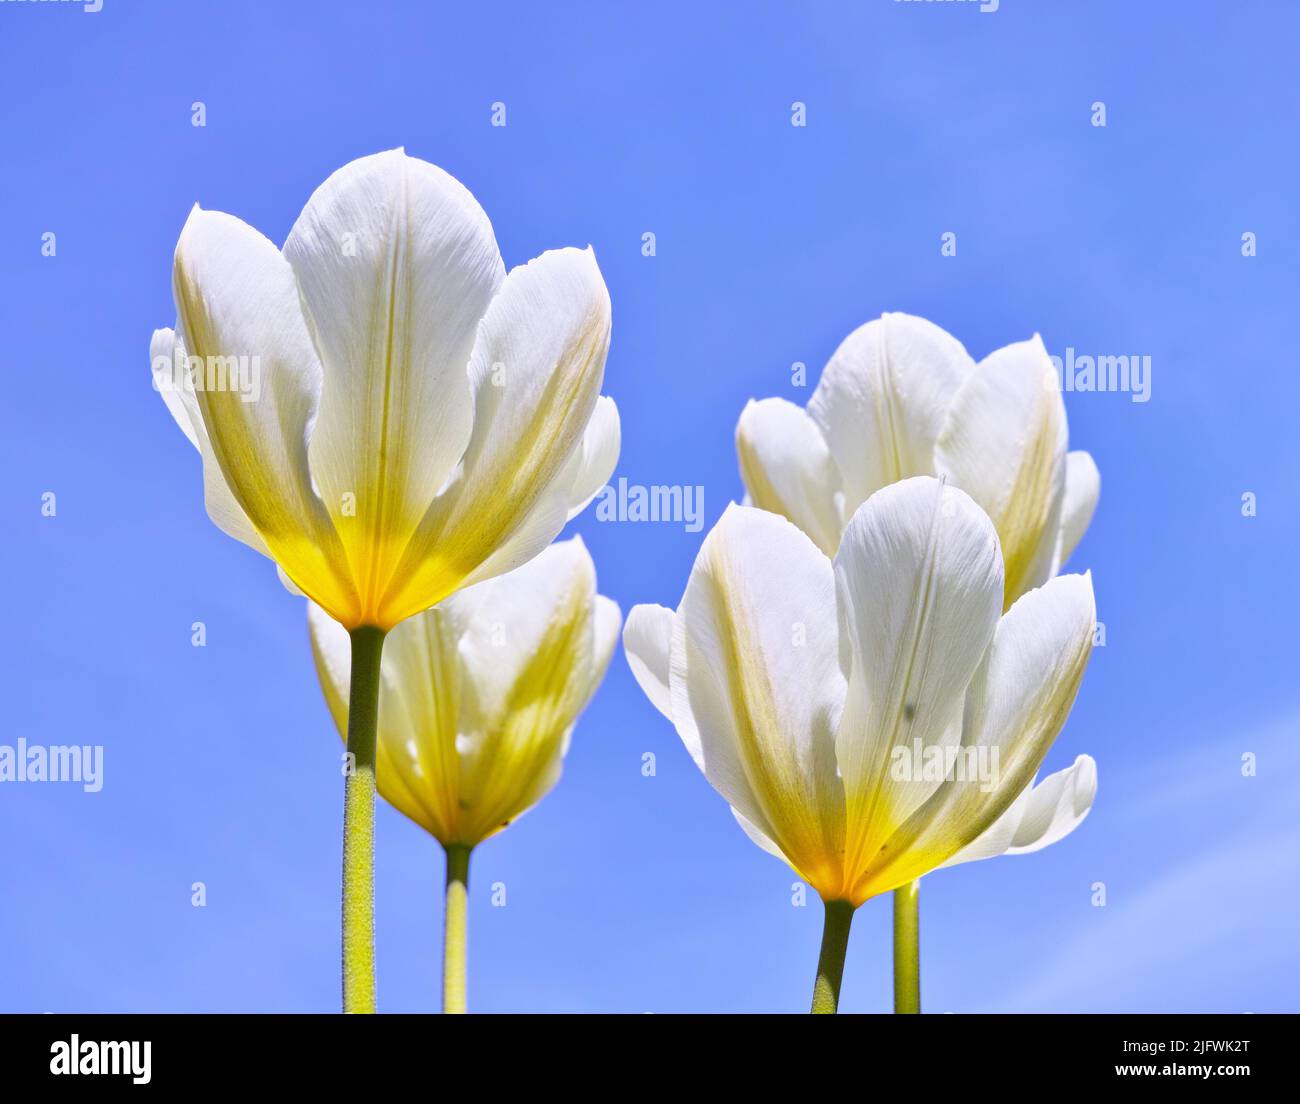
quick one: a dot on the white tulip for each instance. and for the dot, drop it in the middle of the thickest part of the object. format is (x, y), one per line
(388, 415)
(803, 687)
(480, 694)
(410, 419)
(901, 397)
(477, 702)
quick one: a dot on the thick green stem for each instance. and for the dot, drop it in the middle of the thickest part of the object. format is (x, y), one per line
(830, 963)
(907, 948)
(454, 928)
(359, 823)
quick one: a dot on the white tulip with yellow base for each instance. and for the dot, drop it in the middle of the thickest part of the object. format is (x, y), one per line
(411, 418)
(901, 397)
(477, 701)
(800, 685)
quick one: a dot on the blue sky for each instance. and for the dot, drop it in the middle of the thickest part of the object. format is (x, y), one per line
(627, 893)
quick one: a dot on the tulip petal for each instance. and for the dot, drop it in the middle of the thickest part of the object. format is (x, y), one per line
(528, 645)
(1057, 806)
(756, 687)
(502, 622)
(1043, 814)
(1004, 445)
(995, 839)
(172, 380)
(755, 834)
(919, 581)
(1082, 490)
(397, 264)
(788, 469)
(332, 652)
(236, 298)
(288, 583)
(598, 455)
(536, 373)
(1016, 706)
(882, 400)
(647, 643)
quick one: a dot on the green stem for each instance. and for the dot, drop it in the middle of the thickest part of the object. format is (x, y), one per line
(830, 963)
(455, 923)
(907, 948)
(359, 823)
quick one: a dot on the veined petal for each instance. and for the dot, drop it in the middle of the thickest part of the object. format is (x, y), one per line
(598, 455)
(919, 584)
(1056, 807)
(607, 620)
(1043, 814)
(171, 375)
(995, 839)
(647, 642)
(479, 695)
(502, 622)
(536, 373)
(1016, 706)
(397, 264)
(788, 469)
(1004, 445)
(882, 400)
(528, 645)
(1082, 490)
(239, 312)
(755, 685)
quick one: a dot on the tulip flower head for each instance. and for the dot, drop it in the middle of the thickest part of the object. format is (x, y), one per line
(803, 687)
(410, 419)
(901, 397)
(479, 695)
(388, 415)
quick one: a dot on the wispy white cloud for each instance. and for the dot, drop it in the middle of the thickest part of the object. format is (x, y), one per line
(1213, 930)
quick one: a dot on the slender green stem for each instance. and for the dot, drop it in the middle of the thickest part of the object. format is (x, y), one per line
(830, 963)
(359, 823)
(455, 923)
(907, 948)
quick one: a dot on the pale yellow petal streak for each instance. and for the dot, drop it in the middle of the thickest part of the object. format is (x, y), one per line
(1017, 704)
(807, 826)
(536, 372)
(920, 586)
(1028, 524)
(418, 768)
(397, 265)
(1004, 444)
(236, 298)
(517, 756)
